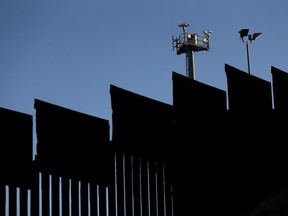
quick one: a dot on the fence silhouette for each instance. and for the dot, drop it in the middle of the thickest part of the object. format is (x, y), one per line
(194, 157)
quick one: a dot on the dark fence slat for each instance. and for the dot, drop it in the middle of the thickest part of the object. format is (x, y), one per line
(136, 185)
(152, 191)
(84, 197)
(65, 183)
(55, 195)
(12, 201)
(144, 187)
(128, 185)
(23, 201)
(2, 198)
(167, 187)
(45, 188)
(102, 201)
(35, 195)
(160, 188)
(93, 199)
(112, 187)
(120, 185)
(75, 197)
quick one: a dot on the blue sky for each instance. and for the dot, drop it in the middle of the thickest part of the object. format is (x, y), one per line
(69, 52)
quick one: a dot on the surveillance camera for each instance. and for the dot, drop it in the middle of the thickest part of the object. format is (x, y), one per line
(184, 25)
(208, 32)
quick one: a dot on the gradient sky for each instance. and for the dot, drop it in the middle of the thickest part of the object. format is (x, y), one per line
(69, 52)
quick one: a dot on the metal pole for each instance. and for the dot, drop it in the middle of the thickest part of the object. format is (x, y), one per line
(190, 68)
(248, 57)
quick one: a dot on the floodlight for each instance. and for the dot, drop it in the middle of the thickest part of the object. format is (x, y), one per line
(256, 35)
(243, 32)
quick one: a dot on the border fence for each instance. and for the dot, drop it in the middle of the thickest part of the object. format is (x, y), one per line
(194, 157)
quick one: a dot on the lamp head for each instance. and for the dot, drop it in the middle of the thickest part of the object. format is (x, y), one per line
(243, 32)
(256, 35)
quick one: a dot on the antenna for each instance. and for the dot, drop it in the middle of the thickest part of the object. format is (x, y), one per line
(172, 35)
(189, 44)
(172, 27)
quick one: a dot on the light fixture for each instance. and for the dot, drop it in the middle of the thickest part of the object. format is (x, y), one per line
(244, 33)
(256, 35)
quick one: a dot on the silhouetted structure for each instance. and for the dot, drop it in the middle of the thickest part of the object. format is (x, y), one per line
(15, 157)
(194, 157)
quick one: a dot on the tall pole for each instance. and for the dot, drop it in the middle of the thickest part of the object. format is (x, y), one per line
(248, 57)
(190, 66)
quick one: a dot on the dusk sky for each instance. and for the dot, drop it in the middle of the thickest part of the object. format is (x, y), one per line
(69, 52)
